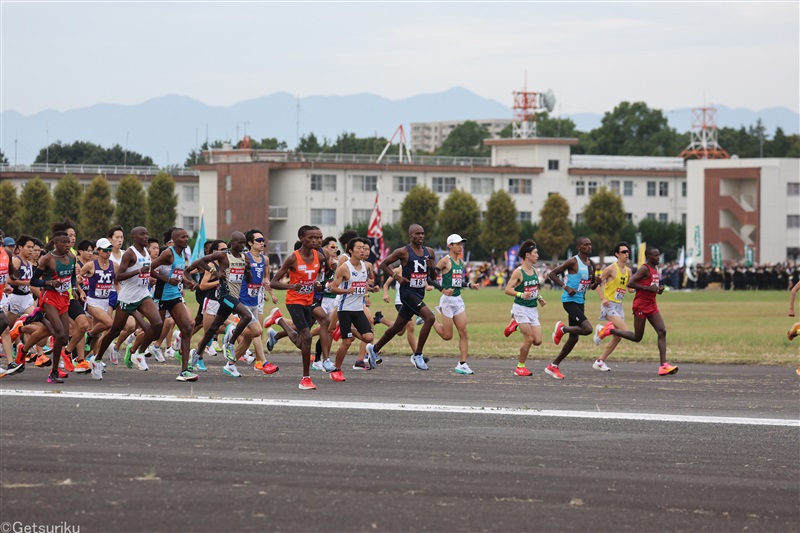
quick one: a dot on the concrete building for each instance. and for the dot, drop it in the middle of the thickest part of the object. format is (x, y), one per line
(744, 202)
(428, 136)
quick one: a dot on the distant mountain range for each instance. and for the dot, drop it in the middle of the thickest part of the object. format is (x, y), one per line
(169, 127)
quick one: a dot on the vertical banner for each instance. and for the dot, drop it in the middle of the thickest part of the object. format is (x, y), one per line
(200, 243)
(697, 245)
(716, 255)
(511, 256)
(749, 256)
(375, 234)
(640, 260)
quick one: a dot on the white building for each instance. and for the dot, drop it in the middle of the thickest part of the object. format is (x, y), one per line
(428, 136)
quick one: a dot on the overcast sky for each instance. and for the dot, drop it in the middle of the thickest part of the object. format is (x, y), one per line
(66, 55)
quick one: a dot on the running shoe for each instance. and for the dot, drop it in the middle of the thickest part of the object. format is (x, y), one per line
(211, 352)
(20, 358)
(127, 359)
(360, 365)
(554, 371)
(272, 317)
(510, 328)
(113, 354)
(371, 356)
(794, 332)
(62, 374)
(14, 368)
(15, 330)
(597, 330)
(97, 369)
(317, 365)
(226, 338)
(337, 333)
(420, 321)
(248, 357)
(43, 360)
(558, 332)
(328, 366)
(141, 364)
(2, 372)
(307, 384)
(272, 339)
(200, 366)
(419, 362)
(438, 309)
(258, 365)
(186, 376)
(49, 346)
(82, 367)
(269, 368)
(337, 375)
(131, 338)
(667, 369)
(67, 362)
(601, 365)
(156, 352)
(606, 330)
(230, 355)
(376, 318)
(216, 347)
(176, 340)
(231, 370)
(53, 378)
(522, 371)
(194, 357)
(463, 368)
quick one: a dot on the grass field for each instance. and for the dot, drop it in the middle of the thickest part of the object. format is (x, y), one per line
(702, 327)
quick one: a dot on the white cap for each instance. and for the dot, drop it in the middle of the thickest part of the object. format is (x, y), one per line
(103, 243)
(455, 238)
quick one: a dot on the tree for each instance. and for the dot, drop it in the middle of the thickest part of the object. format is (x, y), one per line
(267, 143)
(310, 145)
(605, 217)
(96, 209)
(460, 214)
(466, 140)
(196, 157)
(420, 206)
(36, 209)
(668, 238)
(555, 232)
(81, 152)
(67, 198)
(632, 129)
(779, 146)
(131, 210)
(547, 126)
(9, 209)
(500, 227)
(3, 158)
(162, 204)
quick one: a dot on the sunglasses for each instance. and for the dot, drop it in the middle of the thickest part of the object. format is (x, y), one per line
(624, 252)
(104, 249)
(261, 239)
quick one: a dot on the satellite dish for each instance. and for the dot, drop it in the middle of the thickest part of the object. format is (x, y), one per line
(549, 100)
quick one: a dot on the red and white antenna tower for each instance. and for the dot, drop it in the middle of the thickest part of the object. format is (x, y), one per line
(704, 144)
(403, 145)
(527, 105)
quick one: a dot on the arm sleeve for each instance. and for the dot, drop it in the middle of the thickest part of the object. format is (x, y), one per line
(36, 279)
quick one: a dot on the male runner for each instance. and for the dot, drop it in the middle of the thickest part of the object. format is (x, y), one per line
(252, 296)
(612, 288)
(523, 285)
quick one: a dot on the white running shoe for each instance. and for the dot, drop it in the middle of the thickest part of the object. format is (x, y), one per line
(231, 370)
(597, 330)
(176, 340)
(156, 352)
(317, 365)
(328, 366)
(113, 354)
(248, 357)
(138, 359)
(169, 352)
(463, 368)
(226, 339)
(216, 347)
(272, 339)
(130, 339)
(419, 362)
(601, 365)
(97, 369)
(209, 351)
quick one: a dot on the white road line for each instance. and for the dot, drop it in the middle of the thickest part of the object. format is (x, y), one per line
(410, 407)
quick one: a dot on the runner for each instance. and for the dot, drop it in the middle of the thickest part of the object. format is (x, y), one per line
(612, 289)
(20, 301)
(99, 275)
(418, 264)
(795, 330)
(210, 306)
(133, 276)
(303, 267)
(253, 299)
(523, 285)
(580, 278)
(647, 283)
(452, 306)
(5, 324)
(327, 301)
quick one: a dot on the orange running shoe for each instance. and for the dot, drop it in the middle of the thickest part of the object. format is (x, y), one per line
(606, 331)
(68, 366)
(15, 331)
(307, 384)
(795, 331)
(273, 317)
(258, 365)
(558, 332)
(337, 375)
(554, 371)
(43, 360)
(667, 369)
(522, 371)
(82, 367)
(510, 328)
(20, 359)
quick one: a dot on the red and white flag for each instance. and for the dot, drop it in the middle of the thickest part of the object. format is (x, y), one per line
(375, 233)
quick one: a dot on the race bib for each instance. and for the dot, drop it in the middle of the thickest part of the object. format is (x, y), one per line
(254, 290)
(66, 284)
(621, 294)
(360, 286)
(3, 279)
(584, 286)
(236, 274)
(102, 290)
(457, 279)
(306, 287)
(531, 292)
(418, 280)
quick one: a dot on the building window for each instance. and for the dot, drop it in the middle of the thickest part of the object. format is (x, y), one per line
(323, 217)
(683, 218)
(662, 217)
(592, 187)
(191, 224)
(361, 215)
(793, 221)
(227, 216)
(651, 188)
(403, 183)
(524, 216)
(323, 182)
(651, 216)
(228, 183)
(443, 185)
(683, 189)
(627, 188)
(190, 194)
(520, 186)
(580, 188)
(552, 164)
(365, 183)
(578, 218)
(482, 185)
(629, 218)
(793, 189)
(613, 185)
(663, 188)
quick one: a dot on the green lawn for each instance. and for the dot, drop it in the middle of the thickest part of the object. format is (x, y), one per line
(702, 327)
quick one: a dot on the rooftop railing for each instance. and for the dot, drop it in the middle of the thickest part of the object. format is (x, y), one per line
(100, 169)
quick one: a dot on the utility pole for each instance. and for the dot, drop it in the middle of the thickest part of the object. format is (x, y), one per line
(125, 158)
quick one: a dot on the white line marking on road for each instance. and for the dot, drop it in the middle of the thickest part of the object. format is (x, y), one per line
(410, 407)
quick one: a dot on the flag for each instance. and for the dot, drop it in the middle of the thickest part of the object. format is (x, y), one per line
(642, 248)
(200, 243)
(682, 257)
(375, 234)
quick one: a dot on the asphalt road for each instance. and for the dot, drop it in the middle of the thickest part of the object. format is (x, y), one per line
(713, 448)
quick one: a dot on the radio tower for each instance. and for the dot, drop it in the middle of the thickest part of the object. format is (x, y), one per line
(526, 106)
(704, 144)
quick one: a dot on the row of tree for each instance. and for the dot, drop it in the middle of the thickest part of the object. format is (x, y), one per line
(554, 233)
(35, 208)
